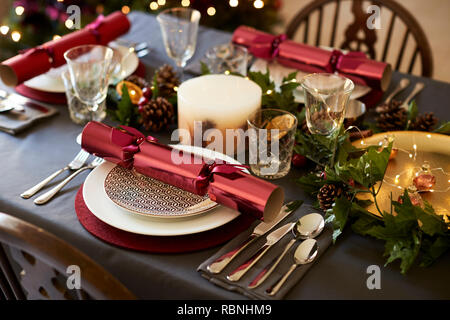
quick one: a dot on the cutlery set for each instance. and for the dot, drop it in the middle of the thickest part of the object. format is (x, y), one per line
(77, 165)
(402, 85)
(305, 229)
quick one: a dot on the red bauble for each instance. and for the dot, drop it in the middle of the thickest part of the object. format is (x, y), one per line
(147, 92)
(424, 182)
(298, 160)
(143, 100)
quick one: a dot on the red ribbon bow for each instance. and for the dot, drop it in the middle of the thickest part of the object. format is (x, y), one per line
(129, 147)
(93, 26)
(209, 169)
(337, 58)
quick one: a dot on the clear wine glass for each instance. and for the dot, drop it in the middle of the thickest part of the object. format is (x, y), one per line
(90, 69)
(326, 97)
(179, 28)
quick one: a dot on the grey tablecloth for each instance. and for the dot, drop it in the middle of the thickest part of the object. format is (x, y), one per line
(341, 273)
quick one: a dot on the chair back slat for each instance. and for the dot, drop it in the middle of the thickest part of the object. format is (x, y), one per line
(335, 23)
(413, 60)
(305, 35)
(319, 26)
(402, 50)
(41, 262)
(367, 42)
(388, 37)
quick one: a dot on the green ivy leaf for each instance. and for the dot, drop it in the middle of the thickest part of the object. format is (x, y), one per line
(433, 248)
(443, 128)
(340, 211)
(412, 113)
(204, 68)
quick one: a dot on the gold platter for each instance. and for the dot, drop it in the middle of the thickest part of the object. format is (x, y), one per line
(414, 149)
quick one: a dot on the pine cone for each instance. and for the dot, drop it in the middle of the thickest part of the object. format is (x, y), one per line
(157, 114)
(139, 81)
(167, 80)
(391, 117)
(425, 122)
(327, 195)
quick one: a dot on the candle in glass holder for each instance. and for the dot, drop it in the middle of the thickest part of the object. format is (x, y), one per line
(216, 102)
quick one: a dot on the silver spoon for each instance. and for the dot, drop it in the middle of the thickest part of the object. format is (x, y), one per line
(308, 226)
(305, 253)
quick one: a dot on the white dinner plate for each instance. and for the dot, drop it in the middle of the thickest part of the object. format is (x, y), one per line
(52, 81)
(277, 72)
(104, 209)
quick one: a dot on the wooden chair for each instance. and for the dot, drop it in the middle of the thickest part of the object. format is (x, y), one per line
(33, 265)
(360, 38)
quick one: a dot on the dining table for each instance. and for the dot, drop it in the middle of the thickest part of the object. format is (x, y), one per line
(341, 273)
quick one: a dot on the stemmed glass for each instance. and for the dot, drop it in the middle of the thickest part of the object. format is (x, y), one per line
(326, 98)
(90, 68)
(179, 28)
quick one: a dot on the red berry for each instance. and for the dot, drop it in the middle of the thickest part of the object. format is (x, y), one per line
(140, 109)
(143, 100)
(147, 92)
(323, 175)
(351, 182)
(298, 160)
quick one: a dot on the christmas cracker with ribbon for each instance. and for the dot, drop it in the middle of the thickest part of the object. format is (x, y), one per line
(41, 59)
(353, 65)
(225, 183)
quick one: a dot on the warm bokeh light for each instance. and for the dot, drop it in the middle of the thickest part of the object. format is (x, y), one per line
(234, 3)
(56, 37)
(211, 11)
(99, 8)
(125, 9)
(258, 4)
(185, 3)
(15, 35)
(69, 24)
(161, 2)
(20, 10)
(4, 29)
(153, 5)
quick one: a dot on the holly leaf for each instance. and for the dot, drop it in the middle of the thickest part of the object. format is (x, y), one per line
(126, 112)
(443, 128)
(262, 80)
(338, 215)
(433, 248)
(311, 183)
(204, 68)
(368, 169)
(155, 86)
(404, 249)
(412, 113)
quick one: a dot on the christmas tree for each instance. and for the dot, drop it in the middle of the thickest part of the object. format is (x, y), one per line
(29, 23)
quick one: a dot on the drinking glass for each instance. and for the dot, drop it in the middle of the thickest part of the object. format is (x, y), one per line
(80, 112)
(227, 58)
(179, 28)
(90, 68)
(326, 97)
(271, 142)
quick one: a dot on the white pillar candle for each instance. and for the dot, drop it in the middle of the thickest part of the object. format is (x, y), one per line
(218, 101)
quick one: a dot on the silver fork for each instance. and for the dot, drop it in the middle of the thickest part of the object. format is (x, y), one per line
(75, 164)
(50, 194)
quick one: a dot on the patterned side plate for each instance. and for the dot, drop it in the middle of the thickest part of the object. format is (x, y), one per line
(143, 195)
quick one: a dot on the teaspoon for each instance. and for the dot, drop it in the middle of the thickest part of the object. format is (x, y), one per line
(305, 253)
(308, 226)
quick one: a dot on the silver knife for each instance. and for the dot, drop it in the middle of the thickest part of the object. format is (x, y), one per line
(262, 228)
(272, 238)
